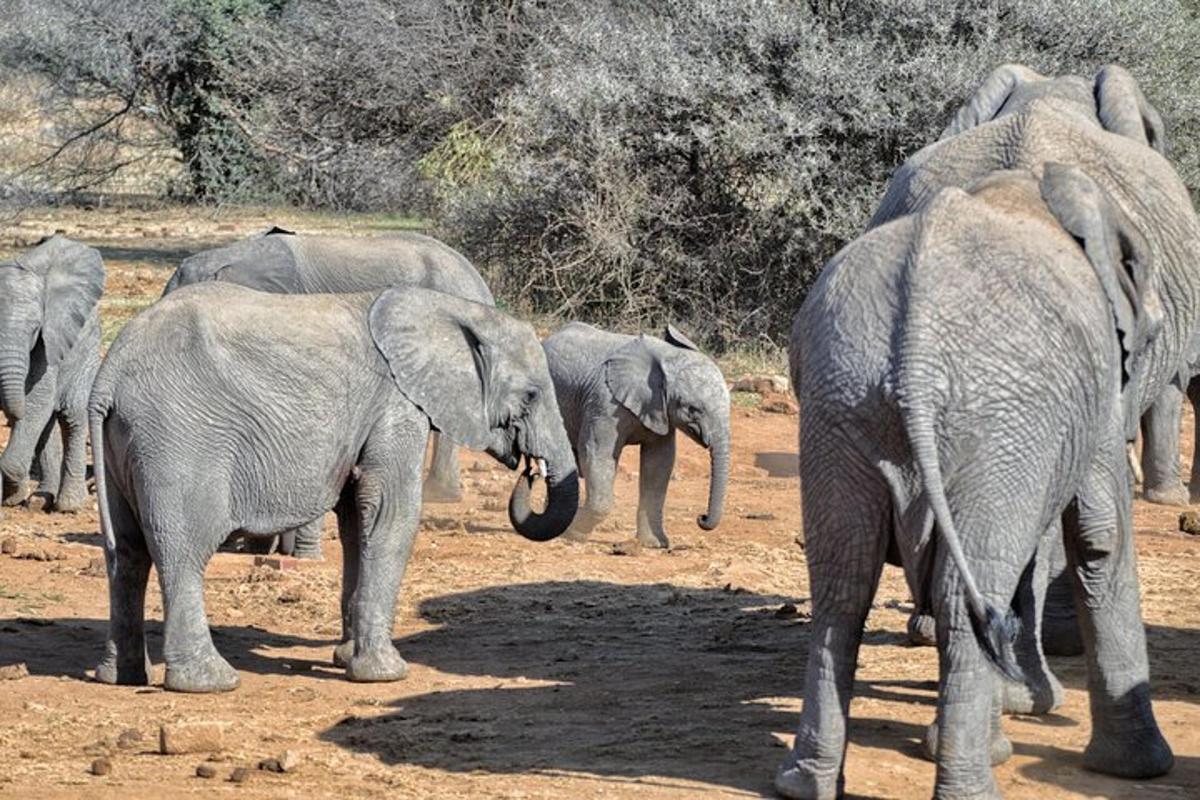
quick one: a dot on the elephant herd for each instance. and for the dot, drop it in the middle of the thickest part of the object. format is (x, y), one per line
(972, 373)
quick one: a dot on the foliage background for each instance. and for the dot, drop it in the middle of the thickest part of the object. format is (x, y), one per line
(623, 162)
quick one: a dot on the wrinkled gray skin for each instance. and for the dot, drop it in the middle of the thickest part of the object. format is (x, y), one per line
(285, 263)
(1019, 119)
(963, 380)
(616, 390)
(202, 424)
(49, 353)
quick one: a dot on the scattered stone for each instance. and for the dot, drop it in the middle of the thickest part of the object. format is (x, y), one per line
(289, 760)
(292, 594)
(626, 548)
(40, 555)
(270, 765)
(9, 546)
(206, 771)
(786, 610)
(239, 775)
(779, 404)
(14, 672)
(1189, 522)
(101, 766)
(129, 738)
(278, 563)
(191, 737)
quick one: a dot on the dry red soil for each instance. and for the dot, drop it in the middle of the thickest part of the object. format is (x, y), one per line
(552, 670)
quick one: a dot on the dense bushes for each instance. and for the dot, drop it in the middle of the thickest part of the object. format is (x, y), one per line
(627, 161)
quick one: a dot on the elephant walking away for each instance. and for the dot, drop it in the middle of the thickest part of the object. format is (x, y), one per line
(967, 375)
(201, 425)
(616, 390)
(49, 353)
(286, 263)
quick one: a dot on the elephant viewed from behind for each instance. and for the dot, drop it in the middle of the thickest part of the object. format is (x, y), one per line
(615, 390)
(201, 421)
(49, 353)
(967, 375)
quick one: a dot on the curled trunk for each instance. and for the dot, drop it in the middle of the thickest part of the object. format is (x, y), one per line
(562, 489)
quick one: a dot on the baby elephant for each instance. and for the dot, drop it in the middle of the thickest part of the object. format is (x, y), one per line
(49, 353)
(616, 390)
(202, 420)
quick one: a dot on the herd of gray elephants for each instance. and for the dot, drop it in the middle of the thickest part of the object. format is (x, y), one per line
(972, 372)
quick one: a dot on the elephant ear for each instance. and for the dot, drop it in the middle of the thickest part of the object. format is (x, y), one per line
(635, 377)
(1124, 110)
(74, 280)
(439, 351)
(1123, 262)
(676, 337)
(989, 98)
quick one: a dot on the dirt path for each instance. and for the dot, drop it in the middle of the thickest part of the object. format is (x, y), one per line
(553, 670)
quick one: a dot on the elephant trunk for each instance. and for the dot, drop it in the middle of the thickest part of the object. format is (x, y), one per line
(718, 481)
(562, 491)
(14, 367)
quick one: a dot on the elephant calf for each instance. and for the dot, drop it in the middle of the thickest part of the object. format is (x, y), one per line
(201, 420)
(49, 353)
(615, 390)
(967, 375)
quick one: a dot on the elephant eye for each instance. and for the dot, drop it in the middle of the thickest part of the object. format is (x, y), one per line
(531, 396)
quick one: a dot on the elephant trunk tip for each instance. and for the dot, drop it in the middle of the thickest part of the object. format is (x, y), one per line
(708, 522)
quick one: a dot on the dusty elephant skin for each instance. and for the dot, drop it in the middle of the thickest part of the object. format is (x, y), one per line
(615, 390)
(49, 353)
(201, 424)
(966, 376)
(282, 262)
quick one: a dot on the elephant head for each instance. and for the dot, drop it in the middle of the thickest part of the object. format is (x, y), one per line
(1113, 100)
(46, 297)
(1122, 259)
(481, 378)
(264, 262)
(668, 383)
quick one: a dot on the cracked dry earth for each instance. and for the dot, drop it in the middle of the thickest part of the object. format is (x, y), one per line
(537, 671)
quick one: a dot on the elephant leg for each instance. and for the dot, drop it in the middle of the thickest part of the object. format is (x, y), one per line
(654, 475)
(302, 542)
(73, 485)
(442, 485)
(389, 507)
(847, 517)
(1001, 749)
(128, 561)
(1060, 621)
(1041, 692)
(47, 462)
(600, 455)
(348, 532)
(1193, 393)
(22, 445)
(1098, 526)
(1160, 448)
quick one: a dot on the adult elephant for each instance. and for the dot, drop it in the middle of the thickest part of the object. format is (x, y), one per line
(615, 390)
(222, 382)
(966, 375)
(1019, 120)
(286, 263)
(49, 353)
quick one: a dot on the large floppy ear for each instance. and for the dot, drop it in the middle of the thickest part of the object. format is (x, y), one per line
(1124, 110)
(1123, 262)
(74, 278)
(676, 337)
(989, 98)
(439, 350)
(635, 377)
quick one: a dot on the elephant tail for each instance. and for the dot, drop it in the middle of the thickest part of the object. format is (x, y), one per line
(97, 412)
(994, 629)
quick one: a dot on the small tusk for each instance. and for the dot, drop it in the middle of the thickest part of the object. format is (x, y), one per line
(541, 466)
(1135, 465)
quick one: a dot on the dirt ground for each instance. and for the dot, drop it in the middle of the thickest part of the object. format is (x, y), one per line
(551, 670)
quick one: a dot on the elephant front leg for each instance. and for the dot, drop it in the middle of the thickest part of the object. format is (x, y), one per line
(1126, 740)
(598, 467)
(654, 475)
(22, 445)
(443, 485)
(1060, 621)
(73, 484)
(1041, 692)
(1160, 448)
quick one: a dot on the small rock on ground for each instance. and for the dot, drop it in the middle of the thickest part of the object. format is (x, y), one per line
(1189, 522)
(101, 766)
(206, 771)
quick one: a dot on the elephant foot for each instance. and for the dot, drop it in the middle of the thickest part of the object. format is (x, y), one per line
(1194, 493)
(922, 630)
(123, 672)
(380, 665)
(656, 541)
(205, 674)
(68, 502)
(797, 781)
(1175, 495)
(1024, 698)
(1061, 637)
(576, 535)
(434, 491)
(16, 492)
(343, 653)
(1001, 749)
(1138, 755)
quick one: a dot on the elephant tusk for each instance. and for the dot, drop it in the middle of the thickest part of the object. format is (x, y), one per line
(540, 463)
(1135, 466)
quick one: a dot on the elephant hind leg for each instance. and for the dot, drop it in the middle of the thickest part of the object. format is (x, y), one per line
(128, 562)
(1193, 393)
(847, 515)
